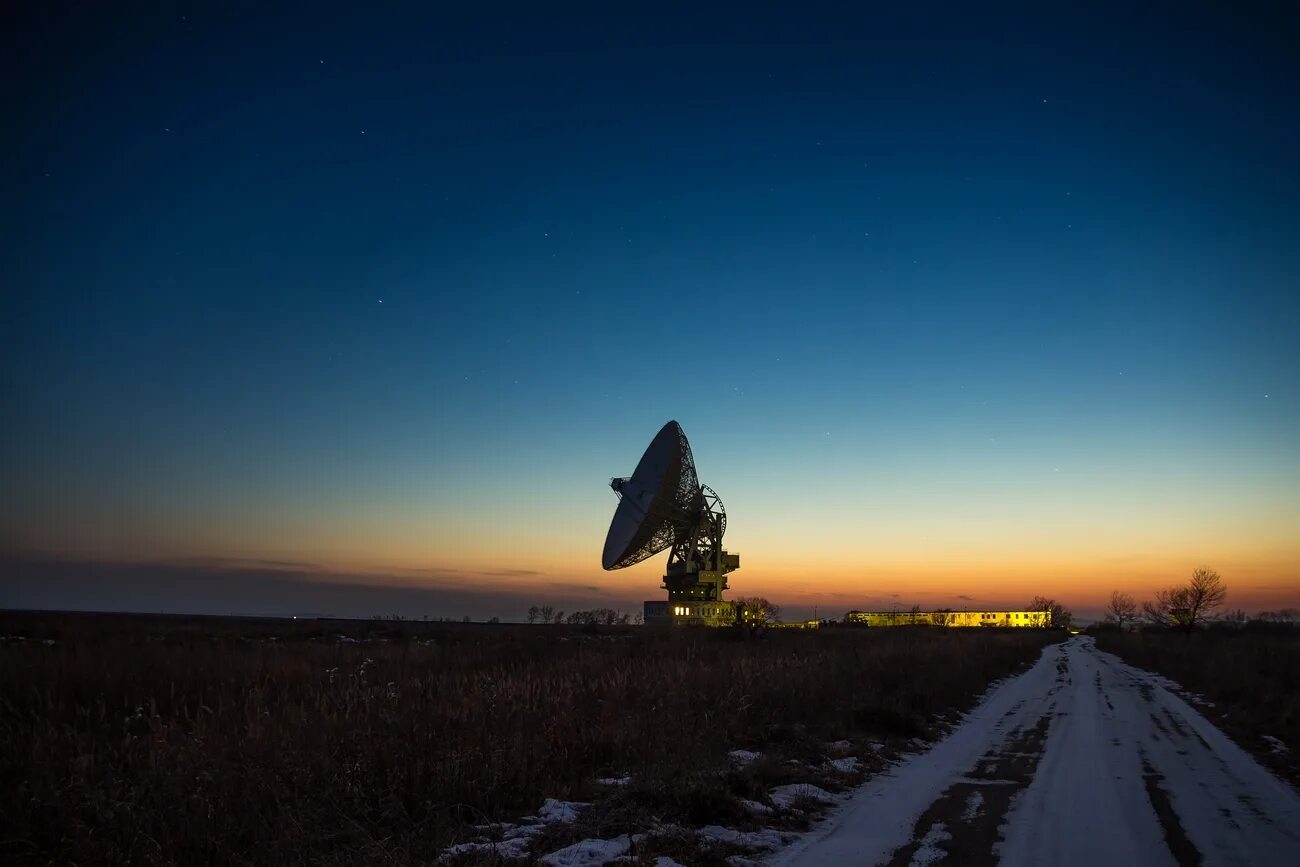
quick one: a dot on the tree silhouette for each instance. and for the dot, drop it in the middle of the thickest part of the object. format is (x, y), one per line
(1123, 610)
(1190, 605)
(1057, 615)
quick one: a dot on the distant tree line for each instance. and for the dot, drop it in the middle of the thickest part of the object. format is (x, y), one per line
(1184, 607)
(548, 614)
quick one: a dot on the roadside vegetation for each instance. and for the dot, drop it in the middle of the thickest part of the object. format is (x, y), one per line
(197, 741)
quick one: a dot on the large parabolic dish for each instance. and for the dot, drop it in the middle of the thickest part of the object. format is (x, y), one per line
(660, 504)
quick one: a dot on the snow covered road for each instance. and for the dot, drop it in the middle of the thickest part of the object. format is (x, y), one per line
(1080, 760)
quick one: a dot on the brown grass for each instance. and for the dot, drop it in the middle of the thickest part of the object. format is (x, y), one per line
(1251, 676)
(158, 740)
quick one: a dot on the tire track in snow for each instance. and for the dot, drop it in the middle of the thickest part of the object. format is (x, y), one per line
(972, 810)
(1080, 760)
(1180, 847)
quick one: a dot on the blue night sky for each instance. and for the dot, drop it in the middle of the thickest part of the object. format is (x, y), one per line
(949, 301)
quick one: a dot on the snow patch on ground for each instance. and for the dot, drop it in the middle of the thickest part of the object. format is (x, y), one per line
(522, 831)
(785, 796)
(515, 839)
(757, 808)
(930, 851)
(744, 757)
(588, 853)
(665, 861)
(517, 848)
(846, 765)
(560, 811)
(764, 839)
(974, 806)
(615, 781)
(840, 746)
(1276, 745)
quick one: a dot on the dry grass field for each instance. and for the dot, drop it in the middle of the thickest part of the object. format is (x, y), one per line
(1249, 679)
(209, 741)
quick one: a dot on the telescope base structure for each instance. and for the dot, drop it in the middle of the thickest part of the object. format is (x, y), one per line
(695, 597)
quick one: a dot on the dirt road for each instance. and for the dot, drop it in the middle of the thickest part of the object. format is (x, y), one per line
(1080, 760)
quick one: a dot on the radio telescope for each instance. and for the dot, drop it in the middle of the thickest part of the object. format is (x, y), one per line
(664, 506)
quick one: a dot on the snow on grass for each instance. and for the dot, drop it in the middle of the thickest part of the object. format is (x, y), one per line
(516, 832)
(517, 848)
(615, 781)
(785, 796)
(758, 808)
(1277, 746)
(846, 765)
(560, 811)
(766, 839)
(840, 746)
(744, 757)
(930, 851)
(974, 806)
(588, 853)
(515, 839)
(665, 861)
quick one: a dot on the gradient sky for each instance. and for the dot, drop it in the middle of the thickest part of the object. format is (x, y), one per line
(336, 310)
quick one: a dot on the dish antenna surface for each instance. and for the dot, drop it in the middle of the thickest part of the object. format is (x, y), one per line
(664, 506)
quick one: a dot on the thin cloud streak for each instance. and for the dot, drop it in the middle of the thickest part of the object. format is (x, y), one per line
(279, 588)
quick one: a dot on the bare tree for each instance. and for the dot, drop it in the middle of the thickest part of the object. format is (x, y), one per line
(546, 612)
(1123, 610)
(766, 609)
(1057, 615)
(559, 617)
(533, 613)
(1189, 606)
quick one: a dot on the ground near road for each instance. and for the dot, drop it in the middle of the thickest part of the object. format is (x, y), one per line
(195, 741)
(1082, 760)
(1244, 680)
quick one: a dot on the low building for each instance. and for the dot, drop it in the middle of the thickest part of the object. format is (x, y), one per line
(708, 612)
(912, 617)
